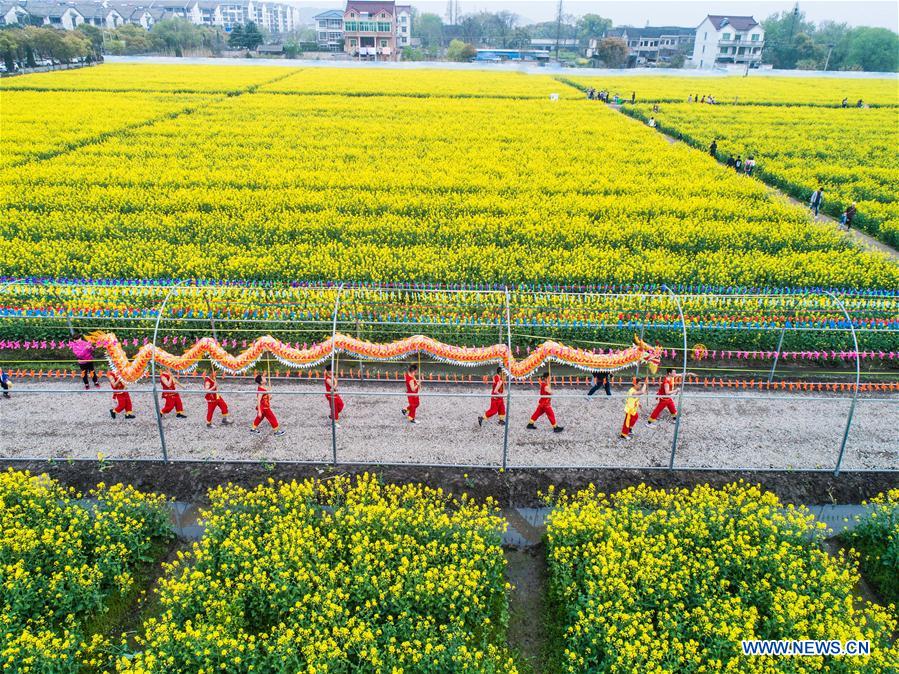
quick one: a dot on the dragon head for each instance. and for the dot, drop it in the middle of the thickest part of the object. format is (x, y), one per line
(651, 355)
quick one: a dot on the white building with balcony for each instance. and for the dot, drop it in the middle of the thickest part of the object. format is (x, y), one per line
(723, 41)
(329, 30)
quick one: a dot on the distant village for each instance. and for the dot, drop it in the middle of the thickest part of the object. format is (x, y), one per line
(382, 30)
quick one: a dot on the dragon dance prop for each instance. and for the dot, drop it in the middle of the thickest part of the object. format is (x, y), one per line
(133, 369)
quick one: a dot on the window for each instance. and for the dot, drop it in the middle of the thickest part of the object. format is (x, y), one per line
(352, 42)
(384, 43)
(755, 37)
(705, 36)
(703, 49)
(383, 26)
(725, 36)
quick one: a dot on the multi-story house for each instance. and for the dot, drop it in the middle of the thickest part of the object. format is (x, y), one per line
(329, 30)
(649, 45)
(723, 41)
(56, 15)
(100, 16)
(11, 14)
(370, 30)
(403, 26)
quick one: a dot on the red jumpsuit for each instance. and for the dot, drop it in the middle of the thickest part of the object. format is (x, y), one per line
(264, 410)
(497, 401)
(213, 399)
(121, 397)
(544, 405)
(335, 402)
(665, 401)
(412, 388)
(171, 400)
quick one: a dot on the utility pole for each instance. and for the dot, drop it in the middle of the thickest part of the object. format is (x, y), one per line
(793, 21)
(558, 28)
(829, 52)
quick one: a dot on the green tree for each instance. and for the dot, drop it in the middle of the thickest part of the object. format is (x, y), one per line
(613, 52)
(252, 37)
(591, 26)
(95, 35)
(460, 51)
(176, 34)
(130, 39)
(781, 31)
(429, 28)
(872, 49)
(235, 38)
(9, 47)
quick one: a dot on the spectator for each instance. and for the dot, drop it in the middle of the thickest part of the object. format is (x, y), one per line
(655, 107)
(4, 382)
(713, 148)
(845, 103)
(738, 164)
(849, 216)
(860, 104)
(652, 122)
(703, 99)
(816, 201)
(731, 161)
(690, 98)
(749, 165)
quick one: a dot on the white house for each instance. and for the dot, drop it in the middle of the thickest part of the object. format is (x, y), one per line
(100, 16)
(12, 14)
(55, 15)
(403, 26)
(329, 30)
(728, 40)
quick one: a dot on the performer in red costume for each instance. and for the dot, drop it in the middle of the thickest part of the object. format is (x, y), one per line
(413, 388)
(497, 400)
(544, 406)
(213, 399)
(335, 402)
(665, 394)
(171, 399)
(264, 406)
(120, 396)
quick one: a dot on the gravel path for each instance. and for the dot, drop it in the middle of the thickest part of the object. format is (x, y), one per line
(727, 432)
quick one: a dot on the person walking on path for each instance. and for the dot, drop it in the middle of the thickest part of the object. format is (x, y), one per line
(632, 408)
(497, 400)
(413, 388)
(120, 396)
(601, 379)
(544, 406)
(713, 148)
(170, 397)
(738, 163)
(816, 201)
(652, 122)
(264, 406)
(749, 165)
(335, 402)
(4, 382)
(84, 352)
(665, 395)
(213, 400)
(849, 216)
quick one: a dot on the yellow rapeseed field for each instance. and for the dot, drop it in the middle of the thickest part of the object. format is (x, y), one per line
(290, 186)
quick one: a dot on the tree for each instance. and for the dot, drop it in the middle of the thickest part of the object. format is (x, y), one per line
(872, 49)
(460, 51)
(176, 34)
(591, 26)
(252, 37)
(781, 31)
(471, 28)
(235, 38)
(95, 35)
(429, 28)
(130, 39)
(613, 52)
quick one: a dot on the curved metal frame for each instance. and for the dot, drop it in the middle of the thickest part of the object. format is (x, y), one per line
(683, 381)
(165, 454)
(783, 331)
(858, 377)
(334, 373)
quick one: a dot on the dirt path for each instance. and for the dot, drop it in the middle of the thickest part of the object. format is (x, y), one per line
(735, 430)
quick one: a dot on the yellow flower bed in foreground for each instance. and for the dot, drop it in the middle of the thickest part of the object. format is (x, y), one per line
(335, 576)
(60, 561)
(280, 186)
(753, 89)
(652, 581)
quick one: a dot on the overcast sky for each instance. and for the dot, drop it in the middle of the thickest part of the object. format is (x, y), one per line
(674, 12)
